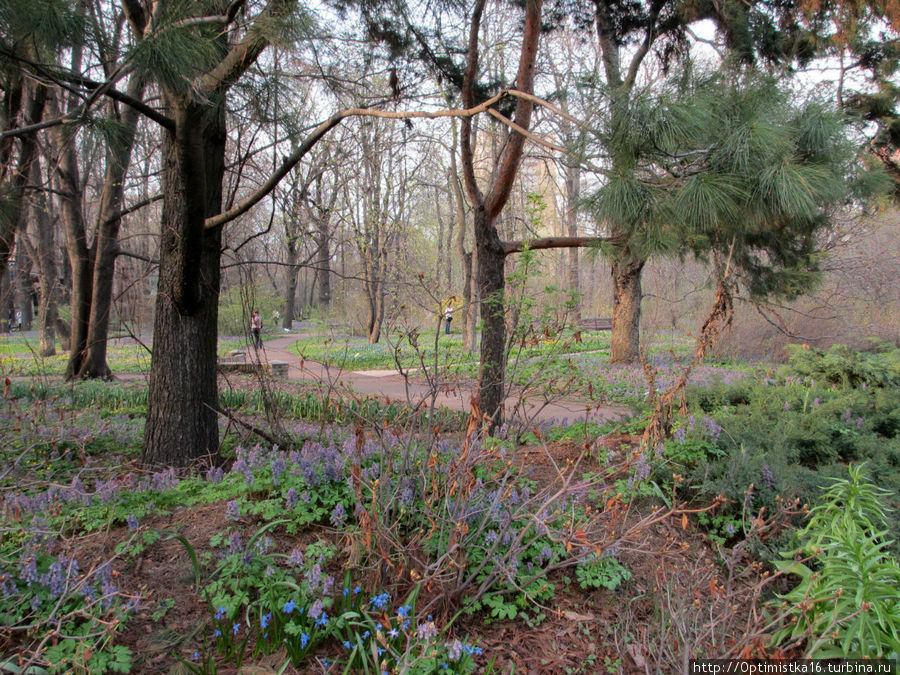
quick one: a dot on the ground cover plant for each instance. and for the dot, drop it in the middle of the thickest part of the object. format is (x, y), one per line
(789, 431)
(374, 540)
(19, 357)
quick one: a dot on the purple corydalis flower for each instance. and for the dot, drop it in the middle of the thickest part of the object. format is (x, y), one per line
(768, 478)
(338, 515)
(232, 510)
(290, 499)
(215, 475)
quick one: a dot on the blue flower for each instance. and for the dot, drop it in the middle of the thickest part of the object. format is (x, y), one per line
(393, 632)
(322, 621)
(347, 644)
(217, 634)
(289, 606)
(357, 590)
(304, 640)
(235, 628)
(404, 611)
(264, 621)
(380, 601)
(346, 592)
(220, 613)
(195, 656)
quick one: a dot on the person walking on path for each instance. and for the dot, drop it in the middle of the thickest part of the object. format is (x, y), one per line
(448, 318)
(256, 329)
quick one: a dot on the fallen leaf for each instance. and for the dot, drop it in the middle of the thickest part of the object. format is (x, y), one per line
(575, 616)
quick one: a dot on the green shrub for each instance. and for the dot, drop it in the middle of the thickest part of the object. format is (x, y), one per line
(841, 366)
(784, 437)
(846, 604)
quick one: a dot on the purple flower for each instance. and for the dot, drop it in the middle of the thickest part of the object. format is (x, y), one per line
(215, 475)
(768, 478)
(232, 510)
(426, 631)
(296, 557)
(338, 515)
(290, 499)
(132, 522)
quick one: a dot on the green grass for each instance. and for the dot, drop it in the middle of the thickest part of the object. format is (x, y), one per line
(353, 353)
(19, 356)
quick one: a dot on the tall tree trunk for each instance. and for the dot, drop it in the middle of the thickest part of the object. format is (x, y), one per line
(323, 262)
(467, 258)
(627, 295)
(489, 249)
(290, 283)
(71, 212)
(48, 313)
(183, 368)
(573, 196)
(24, 289)
(14, 191)
(106, 244)
(491, 289)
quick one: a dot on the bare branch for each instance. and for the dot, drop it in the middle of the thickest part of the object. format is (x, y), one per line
(544, 243)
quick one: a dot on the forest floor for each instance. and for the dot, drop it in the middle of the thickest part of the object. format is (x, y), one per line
(679, 586)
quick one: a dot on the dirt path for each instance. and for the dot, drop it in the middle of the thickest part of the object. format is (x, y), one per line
(391, 385)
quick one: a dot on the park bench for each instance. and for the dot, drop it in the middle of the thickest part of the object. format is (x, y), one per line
(237, 362)
(595, 324)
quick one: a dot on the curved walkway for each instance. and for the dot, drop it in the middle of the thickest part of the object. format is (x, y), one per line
(390, 385)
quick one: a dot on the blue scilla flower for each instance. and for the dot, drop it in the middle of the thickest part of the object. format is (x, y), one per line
(289, 606)
(346, 592)
(235, 628)
(347, 644)
(380, 601)
(322, 621)
(304, 640)
(217, 633)
(404, 611)
(264, 621)
(220, 613)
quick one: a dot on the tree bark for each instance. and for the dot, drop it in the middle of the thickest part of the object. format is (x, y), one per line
(290, 283)
(106, 243)
(489, 250)
(467, 258)
(48, 313)
(14, 192)
(323, 262)
(181, 416)
(491, 289)
(25, 291)
(627, 295)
